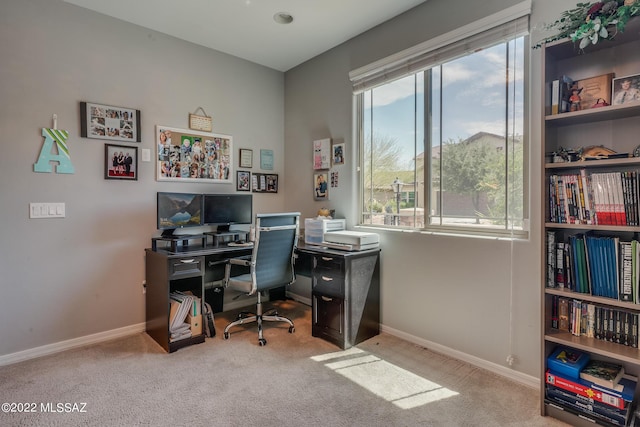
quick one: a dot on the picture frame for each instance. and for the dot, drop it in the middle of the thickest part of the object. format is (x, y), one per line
(192, 156)
(264, 183)
(266, 159)
(625, 89)
(321, 186)
(243, 181)
(322, 154)
(100, 121)
(246, 158)
(338, 154)
(120, 162)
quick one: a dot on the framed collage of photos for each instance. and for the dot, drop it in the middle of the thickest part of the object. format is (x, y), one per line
(264, 183)
(107, 122)
(192, 156)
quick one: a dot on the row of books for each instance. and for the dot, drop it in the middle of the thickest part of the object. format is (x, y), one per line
(598, 198)
(593, 388)
(582, 318)
(603, 266)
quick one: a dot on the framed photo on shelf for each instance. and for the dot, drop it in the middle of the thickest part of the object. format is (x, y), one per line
(107, 122)
(243, 181)
(246, 158)
(120, 162)
(192, 156)
(626, 89)
(321, 186)
(264, 183)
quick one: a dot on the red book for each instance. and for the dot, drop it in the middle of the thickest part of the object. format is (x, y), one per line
(582, 390)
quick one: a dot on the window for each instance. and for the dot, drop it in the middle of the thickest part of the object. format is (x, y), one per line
(444, 146)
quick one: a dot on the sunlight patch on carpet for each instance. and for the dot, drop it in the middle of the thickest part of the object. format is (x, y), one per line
(386, 380)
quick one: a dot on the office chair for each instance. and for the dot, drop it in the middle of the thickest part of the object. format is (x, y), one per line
(270, 266)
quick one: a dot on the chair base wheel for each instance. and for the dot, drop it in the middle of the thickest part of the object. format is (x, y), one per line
(226, 335)
(262, 342)
(291, 329)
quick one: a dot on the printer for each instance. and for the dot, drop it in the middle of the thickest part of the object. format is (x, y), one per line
(350, 240)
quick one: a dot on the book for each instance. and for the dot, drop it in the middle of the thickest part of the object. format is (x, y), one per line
(565, 85)
(567, 361)
(602, 373)
(555, 93)
(614, 416)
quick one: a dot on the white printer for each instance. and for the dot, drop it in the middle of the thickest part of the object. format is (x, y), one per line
(351, 240)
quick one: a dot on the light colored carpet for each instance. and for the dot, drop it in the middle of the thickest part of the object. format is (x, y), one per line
(295, 380)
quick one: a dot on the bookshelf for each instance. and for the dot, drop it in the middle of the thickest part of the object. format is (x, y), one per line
(615, 127)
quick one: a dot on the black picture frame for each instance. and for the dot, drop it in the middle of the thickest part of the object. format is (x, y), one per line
(123, 167)
(243, 181)
(101, 121)
(264, 183)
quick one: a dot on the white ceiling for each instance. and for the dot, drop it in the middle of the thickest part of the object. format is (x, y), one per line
(246, 28)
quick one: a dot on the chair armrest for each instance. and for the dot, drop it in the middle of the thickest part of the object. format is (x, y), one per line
(241, 261)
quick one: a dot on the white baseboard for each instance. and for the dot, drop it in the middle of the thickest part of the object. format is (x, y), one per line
(57, 347)
(504, 371)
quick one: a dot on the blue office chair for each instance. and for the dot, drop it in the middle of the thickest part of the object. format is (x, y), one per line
(270, 265)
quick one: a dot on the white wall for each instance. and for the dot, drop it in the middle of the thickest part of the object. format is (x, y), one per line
(479, 297)
(81, 275)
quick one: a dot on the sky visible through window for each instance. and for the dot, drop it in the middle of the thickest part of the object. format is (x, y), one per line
(473, 101)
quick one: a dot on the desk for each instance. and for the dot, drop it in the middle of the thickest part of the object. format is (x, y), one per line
(345, 289)
(185, 270)
(345, 293)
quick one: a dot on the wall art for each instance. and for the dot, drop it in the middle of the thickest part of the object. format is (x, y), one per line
(120, 162)
(192, 156)
(107, 122)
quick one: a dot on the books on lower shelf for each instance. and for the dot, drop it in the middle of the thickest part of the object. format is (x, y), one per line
(582, 318)
(185, 317)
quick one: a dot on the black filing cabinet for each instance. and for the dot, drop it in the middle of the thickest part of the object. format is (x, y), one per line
(345, 295)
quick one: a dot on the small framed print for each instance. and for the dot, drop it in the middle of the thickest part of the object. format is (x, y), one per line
(321, 186)
(120, 162)
(246, 158)
(108, 122)
(266, 159)
(626, 90)
(338, 154)
(264, 183)
(243, 181)
(322, 154)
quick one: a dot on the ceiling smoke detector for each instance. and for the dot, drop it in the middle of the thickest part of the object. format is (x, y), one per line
(283, 18)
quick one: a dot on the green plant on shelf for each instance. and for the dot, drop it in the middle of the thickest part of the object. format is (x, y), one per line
(590, 23)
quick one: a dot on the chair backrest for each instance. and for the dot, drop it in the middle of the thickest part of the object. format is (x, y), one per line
(275, 241)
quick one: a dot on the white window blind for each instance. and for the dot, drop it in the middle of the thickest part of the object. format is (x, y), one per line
(497, 28)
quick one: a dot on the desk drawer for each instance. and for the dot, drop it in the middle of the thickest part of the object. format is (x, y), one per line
(328, 282)
(327, 262)
(186, 267)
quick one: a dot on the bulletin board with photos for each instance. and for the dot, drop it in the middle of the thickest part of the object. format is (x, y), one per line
(192, 156)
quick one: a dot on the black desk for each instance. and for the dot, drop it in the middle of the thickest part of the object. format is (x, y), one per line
(186, 269)
(345, 288)
(345, 293)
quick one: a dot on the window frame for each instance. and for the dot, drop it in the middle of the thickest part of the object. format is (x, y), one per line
(506, 232)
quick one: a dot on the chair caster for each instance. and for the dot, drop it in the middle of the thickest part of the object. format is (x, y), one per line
(262, 342)
(291, 329)
(226, 335)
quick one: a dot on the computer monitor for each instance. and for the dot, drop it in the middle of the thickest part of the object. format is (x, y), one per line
(224, 210)
(178, 210)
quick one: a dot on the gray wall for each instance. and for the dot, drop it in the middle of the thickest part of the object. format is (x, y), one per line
(451, 292)
(69, 278)
(81, 275)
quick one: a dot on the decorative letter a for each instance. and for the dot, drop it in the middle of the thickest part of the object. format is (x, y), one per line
(46, 156)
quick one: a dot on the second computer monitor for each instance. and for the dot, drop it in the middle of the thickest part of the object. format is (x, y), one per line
(224, 210)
